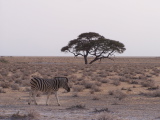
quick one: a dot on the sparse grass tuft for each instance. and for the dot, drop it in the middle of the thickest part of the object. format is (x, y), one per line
(18, 116)
(77, 107)
(104, 80)
(15, 87)
(5, 85)
(101, 110)
(151, 94)
(95, 98)
(96, 88)
(116, 82)
(106, 116)
(32, 115)
(2, 90)
(148, 83)
(78, 88)
(75, 95)
(117, 94)
(88, 85)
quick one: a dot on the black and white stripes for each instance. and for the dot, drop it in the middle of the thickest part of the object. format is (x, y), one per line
(47, 85)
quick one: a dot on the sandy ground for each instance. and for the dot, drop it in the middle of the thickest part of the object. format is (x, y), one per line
(134, 107)
(92, 106)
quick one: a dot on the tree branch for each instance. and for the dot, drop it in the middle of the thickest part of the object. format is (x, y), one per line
(75, 54)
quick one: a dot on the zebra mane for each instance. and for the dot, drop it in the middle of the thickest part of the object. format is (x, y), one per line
(62, 78)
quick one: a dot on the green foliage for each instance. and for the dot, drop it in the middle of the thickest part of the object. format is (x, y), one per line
(95, 45)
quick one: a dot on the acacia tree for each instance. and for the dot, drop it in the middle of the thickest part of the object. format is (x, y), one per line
(93, 44)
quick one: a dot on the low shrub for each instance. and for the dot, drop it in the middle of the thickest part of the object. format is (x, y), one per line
(75, 95)
(5, 85)
(148, 83)
(95, 98)
(96, 88)
(120, 95)
(116, 82)
(104, 80)
(88, 85)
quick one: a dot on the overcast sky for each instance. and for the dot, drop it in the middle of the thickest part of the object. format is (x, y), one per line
(43, 27)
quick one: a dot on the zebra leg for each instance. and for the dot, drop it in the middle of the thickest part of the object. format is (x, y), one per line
(57, 98)
(34, 96)
(30, 95)
(48, 98)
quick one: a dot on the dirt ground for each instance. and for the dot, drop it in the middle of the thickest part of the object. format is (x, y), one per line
(126, 89)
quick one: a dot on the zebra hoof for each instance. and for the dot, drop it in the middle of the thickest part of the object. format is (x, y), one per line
(59, 105)
(28, 103)
(46, 104)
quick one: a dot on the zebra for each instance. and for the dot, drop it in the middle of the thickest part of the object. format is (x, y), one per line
(47, 85)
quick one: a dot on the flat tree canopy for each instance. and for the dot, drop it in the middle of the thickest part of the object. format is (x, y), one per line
(93, 44)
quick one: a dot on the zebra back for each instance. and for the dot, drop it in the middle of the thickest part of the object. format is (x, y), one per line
(46, 85)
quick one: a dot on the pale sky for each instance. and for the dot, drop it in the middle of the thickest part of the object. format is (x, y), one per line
(43, 27)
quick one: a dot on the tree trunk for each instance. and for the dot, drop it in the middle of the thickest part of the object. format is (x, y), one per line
(95, 59)
(85, 59)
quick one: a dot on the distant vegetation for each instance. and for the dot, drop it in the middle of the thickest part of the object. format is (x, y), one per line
(2, 60)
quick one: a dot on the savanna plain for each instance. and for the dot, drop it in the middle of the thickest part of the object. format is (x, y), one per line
(124, 89)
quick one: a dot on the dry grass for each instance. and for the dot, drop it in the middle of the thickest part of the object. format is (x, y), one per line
(88, 82)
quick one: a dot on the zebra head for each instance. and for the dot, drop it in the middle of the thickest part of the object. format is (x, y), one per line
(65, 85)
